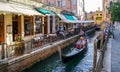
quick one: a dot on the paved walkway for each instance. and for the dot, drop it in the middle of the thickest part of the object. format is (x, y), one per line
(115, 52)
(112, 55)
(107, 58)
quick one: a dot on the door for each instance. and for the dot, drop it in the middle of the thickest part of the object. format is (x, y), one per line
(51, 24)
(1, 28)
(46, 25)
(14, 26)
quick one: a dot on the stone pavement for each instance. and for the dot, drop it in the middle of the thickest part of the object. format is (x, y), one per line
(115, 52)
(107, 58)
(112, 56)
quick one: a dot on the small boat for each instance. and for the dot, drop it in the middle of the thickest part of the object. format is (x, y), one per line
(73, 53)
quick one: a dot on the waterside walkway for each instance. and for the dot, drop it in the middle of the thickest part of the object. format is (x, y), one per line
(112, 55)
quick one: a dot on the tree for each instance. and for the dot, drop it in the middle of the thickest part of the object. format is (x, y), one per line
(114, 10)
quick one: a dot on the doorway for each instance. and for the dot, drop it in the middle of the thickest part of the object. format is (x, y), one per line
(1, 28)
(16, 26)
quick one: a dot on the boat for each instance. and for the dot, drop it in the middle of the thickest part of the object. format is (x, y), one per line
(88, 32)
(73, 53)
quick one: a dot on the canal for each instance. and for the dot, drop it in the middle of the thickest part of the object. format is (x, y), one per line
(53, 63)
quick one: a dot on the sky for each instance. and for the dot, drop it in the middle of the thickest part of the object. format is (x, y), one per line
(92, 5)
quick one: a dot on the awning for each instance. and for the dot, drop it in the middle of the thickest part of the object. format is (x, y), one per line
(69, 17)
(75, 17)
(18, 8)
(85, 21)
(62, 17)
(67, 21)
(6, 8)
(78, 21)
(43, 11)
(25, 9)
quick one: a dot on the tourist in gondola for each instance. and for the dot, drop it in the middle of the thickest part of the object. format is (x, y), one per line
(81, 42)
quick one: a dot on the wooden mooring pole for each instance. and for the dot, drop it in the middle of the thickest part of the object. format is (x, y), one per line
(95, 54)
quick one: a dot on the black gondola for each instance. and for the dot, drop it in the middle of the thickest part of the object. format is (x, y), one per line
(73, 53)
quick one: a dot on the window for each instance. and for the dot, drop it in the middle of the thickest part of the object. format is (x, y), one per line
(1, 17)
(38, 23)
(58, 3)
(63, 2)
(15, 26)
(49, 3)
(1, 28)
(74, 11)
(81, 5)
(73, 2)
(28, 25)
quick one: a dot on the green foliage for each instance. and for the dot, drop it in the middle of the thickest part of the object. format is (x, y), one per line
(19, 38)
(114, 10)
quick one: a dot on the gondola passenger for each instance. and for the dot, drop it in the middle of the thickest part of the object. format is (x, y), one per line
(80, 43)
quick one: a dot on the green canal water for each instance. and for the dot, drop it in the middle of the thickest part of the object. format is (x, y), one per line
(81, 63)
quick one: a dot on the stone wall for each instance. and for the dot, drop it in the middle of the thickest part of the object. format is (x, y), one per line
(22, 62)
(3, 66)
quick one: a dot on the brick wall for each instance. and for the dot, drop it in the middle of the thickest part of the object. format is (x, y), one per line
(27, 60)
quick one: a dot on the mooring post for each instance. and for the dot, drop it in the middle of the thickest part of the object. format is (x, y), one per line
(3, 51)
(101, 40)
(60, 54)
(95, 54)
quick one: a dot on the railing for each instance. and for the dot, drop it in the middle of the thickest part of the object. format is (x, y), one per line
(24, 47)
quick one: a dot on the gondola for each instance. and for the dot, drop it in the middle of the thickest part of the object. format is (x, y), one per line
(73, 53)
(90, 31)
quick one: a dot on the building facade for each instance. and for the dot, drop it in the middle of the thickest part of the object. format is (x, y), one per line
(21, 18)
(106, 4)
(90, 16)
(98, 16)
(75, 6)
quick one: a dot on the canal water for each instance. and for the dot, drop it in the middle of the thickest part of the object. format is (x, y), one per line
(81, 63)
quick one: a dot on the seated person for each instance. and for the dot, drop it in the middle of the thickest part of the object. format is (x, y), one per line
(81, 42)
(69, 30)
(62, 32)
